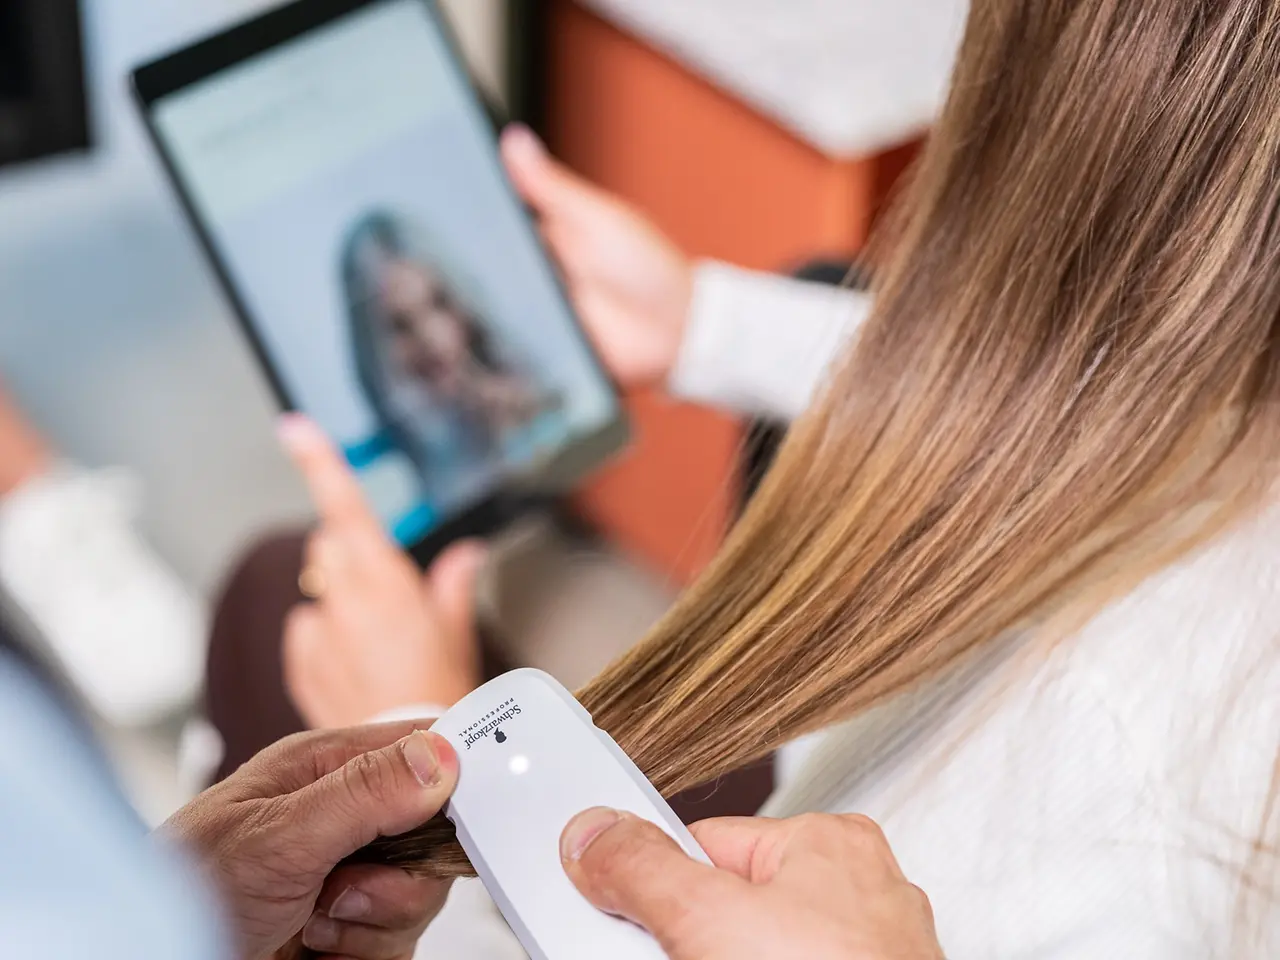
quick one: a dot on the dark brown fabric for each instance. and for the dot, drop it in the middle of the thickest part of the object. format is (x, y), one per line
(245, 693)
(738, 794)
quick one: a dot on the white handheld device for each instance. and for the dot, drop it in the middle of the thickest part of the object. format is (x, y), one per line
(531, 759)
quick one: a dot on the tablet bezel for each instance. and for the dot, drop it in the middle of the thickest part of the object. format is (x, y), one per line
(203, 59)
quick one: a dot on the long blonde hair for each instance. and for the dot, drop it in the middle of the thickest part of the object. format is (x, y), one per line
(1070, 379)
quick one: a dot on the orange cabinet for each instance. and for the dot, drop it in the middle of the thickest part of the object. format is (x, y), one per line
(725, 182)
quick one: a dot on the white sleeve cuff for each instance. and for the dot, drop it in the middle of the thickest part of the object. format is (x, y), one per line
(759, 343)
(413, 711)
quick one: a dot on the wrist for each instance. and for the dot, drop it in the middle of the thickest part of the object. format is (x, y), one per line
(440, 691)
(676, 325)
(449, 690)
(407, 712)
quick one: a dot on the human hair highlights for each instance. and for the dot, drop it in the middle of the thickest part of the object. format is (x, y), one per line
(1070, 379)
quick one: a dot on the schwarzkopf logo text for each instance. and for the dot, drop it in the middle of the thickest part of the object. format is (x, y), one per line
(490, 722)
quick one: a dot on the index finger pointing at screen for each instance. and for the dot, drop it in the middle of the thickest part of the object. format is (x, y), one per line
(334, 490)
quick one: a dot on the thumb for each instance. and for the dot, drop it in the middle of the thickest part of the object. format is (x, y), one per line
(630, 868)
(543, 183)
(452, 584)
(383, 793)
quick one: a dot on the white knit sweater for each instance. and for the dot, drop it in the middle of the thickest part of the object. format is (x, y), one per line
(1088, 804)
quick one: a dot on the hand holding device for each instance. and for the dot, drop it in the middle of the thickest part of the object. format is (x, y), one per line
(379, 633)
(274, 833)
(630, 284)
(530, 759)
(819, 887)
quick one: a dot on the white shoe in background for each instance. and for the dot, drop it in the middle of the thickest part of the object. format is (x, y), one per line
(128, 633)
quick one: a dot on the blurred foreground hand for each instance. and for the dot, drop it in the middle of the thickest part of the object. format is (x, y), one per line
(379, 635)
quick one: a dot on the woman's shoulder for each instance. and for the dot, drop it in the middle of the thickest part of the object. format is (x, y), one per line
(1129, 769)
(1208, 618)
(1186, 669)
(1183, 681)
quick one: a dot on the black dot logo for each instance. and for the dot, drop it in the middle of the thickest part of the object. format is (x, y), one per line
(499, 736)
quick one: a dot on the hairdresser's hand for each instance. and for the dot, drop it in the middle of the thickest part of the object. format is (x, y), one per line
(380, 635)
(631, 285)
(821, 887)
(273, 834)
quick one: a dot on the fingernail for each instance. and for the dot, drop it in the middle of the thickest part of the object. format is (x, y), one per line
(525, 139)
(420, 754)
(352, 904)
(475, 554)
(293, 428)
(320, 933)
(584, 830)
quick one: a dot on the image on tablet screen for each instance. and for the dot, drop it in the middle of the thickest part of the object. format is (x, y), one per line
(351, 190)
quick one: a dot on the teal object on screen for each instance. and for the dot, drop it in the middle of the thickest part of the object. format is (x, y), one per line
(414, 525)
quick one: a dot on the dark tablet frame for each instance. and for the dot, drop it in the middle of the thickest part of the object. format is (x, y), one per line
(54, 118)
(176, 71)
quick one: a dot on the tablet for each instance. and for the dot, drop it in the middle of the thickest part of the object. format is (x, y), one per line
(343, 176)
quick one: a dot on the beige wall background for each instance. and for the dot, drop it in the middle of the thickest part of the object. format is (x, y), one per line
(113, 335)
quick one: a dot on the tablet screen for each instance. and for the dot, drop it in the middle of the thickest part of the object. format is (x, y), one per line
(348, 182)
